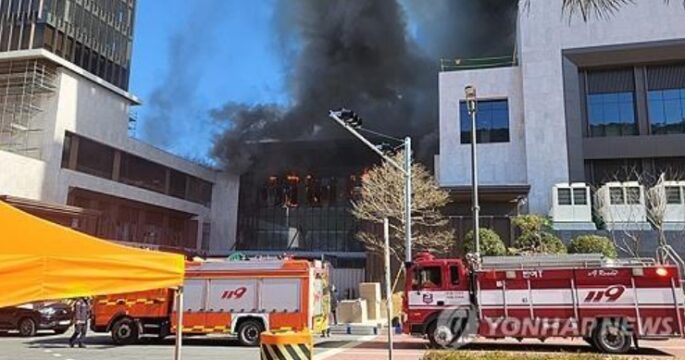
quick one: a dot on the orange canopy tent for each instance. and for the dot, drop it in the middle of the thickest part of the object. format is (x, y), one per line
(40, 260)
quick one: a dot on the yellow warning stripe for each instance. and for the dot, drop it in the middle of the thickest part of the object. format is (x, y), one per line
(131, 302)
(206, 329)
(286, 352)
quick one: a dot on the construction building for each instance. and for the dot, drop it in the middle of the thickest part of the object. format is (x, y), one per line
(65, 149)
(576, 102)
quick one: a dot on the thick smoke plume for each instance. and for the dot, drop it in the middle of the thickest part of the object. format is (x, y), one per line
(360, 55)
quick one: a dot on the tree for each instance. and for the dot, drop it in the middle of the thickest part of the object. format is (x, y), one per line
(382, 195)
(490, 243)
(588, 8)
(628, 240)
(592, 244)
(535, 236)
(656, 201)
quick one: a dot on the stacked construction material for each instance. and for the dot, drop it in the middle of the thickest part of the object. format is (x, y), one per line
(352, 311)
(371, 292)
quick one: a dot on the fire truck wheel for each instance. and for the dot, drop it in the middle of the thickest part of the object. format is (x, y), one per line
(125, 331)
(612, 337)
(439, 336)
(249, 331)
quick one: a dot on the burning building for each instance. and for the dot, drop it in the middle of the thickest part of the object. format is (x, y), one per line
(298, 169)
(301, 203)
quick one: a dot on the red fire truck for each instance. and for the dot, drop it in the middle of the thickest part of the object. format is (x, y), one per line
(610, 304)
(241, 298)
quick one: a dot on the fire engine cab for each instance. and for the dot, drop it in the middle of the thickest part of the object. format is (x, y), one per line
(611, 304)
(241, 298)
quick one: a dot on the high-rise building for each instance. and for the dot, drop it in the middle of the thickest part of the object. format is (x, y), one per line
(65, 147)
(95, 35)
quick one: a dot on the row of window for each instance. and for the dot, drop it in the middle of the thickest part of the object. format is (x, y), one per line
(618, 196)
(292, 191)
(90, 157)
(612, 99)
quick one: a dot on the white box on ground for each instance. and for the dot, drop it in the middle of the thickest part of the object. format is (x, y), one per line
(371, 292)
(352, 311)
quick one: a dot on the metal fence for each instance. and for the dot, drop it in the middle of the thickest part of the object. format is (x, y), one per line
(332, 229)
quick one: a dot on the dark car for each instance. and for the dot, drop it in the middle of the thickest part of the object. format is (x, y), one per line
(29, 319)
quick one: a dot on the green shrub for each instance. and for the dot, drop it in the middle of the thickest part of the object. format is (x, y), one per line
(539, 243)
(496, 355)
(588, 244)
(535, 236)
(490, 243)
(531, 223)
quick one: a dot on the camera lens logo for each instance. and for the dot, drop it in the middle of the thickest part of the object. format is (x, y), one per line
(455, 327)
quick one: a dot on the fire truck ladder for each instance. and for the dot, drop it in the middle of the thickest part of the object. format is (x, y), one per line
(542, 262)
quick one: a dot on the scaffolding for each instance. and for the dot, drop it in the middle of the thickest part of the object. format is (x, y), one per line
(25, 86)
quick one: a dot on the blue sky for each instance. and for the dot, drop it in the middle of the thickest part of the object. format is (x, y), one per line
(233, 56)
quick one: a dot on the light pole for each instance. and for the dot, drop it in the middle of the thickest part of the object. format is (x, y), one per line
(471, 104)
(352, 122)
(388, 290)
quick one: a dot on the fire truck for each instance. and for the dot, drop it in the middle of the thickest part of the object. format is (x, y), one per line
(240, 298)
(610, 304)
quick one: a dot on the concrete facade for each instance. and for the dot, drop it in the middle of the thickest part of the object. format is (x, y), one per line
(96, 110)
(538, 152)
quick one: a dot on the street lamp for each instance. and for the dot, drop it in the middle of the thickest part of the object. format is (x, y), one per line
(352, 123)
(471, 105)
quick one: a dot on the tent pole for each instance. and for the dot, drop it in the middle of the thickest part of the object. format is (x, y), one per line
(179, 323)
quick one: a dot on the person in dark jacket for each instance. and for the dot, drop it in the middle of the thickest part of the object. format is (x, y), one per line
(334, 304)
(81, 315)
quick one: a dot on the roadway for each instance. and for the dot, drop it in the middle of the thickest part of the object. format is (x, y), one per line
(341, 347)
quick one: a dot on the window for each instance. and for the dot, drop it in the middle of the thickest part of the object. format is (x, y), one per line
(667, 111)
(492, 122)
(454, 275)
(428, 277)
(616, 196)
(66, 150)
(633, 195)
(142, 173)
(673, 195)
(199, 191)
(666, 98)
(611, 103)
(94, 158)
(177, 184)
(564, 196)
(580, 196)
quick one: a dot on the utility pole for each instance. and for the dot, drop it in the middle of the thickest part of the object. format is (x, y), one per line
(471, 104)
(407, 199)
(388, 290)
(352, 122)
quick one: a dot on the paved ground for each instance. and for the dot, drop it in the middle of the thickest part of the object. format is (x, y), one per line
(411, 348)
(100, 347)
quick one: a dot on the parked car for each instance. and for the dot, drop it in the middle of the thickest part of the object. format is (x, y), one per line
(30, 318)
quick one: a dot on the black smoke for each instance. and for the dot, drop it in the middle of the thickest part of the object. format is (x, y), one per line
(360, 54)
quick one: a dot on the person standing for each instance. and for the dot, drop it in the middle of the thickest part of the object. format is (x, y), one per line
(81, 315)
(334, 304)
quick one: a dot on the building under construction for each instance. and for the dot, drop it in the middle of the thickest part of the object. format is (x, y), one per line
(65, 149)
